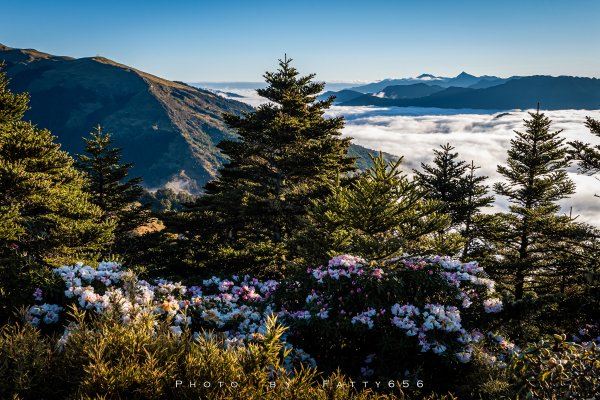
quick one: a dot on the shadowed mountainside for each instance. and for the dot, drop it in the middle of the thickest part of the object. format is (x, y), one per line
(169, 130)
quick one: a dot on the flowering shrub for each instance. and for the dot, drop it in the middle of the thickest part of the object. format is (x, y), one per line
(235, 309)
(349, 313)
(393, 318)
(144, 360)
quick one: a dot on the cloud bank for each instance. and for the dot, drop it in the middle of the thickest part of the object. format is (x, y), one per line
(479, 135)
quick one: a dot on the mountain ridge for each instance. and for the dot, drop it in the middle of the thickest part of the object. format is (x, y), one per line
(169, 130)
(562, 92)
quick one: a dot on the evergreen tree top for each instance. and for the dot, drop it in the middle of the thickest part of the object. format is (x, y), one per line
(587, 155)
(536, 166)
(291, 91)
(12, 106)
(106, 174)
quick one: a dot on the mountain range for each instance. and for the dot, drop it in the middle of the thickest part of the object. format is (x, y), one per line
(461, 80)
(168, 129)
(484, 92)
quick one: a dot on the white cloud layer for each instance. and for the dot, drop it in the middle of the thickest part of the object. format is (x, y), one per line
(482, 136)
(479, 135)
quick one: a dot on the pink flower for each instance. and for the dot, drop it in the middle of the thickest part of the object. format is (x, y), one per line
(378, 273)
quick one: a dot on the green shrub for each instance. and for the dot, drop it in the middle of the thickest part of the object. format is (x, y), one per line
(558, 370)
(99, 357)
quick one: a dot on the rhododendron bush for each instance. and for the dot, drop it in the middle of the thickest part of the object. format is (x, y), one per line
(387, 319)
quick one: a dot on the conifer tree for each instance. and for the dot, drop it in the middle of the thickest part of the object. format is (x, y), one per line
(585, 154)
(476, 197)
(107, 182)
(533, 234)
(379, 215)
(462, 193)
(12, 106)
(46, 217)
(287, 154)
(442, 181)
(44, 211)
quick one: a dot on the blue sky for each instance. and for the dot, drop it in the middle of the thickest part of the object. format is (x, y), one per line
(338, 40)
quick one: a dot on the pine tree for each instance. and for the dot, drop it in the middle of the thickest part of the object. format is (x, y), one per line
(442, 181)
(532, 234)
(378, 216)
(287, 154)
(588, 156)
(462, 193)
(44, 210)
(107, 182)
(476, 197)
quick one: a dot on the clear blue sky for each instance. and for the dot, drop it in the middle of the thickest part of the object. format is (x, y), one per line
(339, 40)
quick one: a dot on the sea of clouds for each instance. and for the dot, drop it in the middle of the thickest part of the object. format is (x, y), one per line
(479, 135)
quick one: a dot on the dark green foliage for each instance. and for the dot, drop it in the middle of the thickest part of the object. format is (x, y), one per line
(533, 240)
(46, 217)
(587, 155)
(107, 182)
(44, 211)
(380, 214)
(117, 196)
(443, 181)
(557, 369)
(12, 106)
(288, 154)
(477, 197)
(461, 192)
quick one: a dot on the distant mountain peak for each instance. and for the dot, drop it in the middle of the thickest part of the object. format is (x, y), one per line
(425, 76)
(465, 75)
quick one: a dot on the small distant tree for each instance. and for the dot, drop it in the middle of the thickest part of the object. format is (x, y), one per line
(380, 215)
(533, 237)
(107, 183)
(476, 197)
(443, 181)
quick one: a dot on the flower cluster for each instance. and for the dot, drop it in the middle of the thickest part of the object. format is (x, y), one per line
(493, 305)
(429, 304)
(235, 308)
(365, 317)
(48, 313)
(341, 266)
(434, 317)
(444, 320)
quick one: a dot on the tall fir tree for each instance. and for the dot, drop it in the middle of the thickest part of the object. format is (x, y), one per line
(107, 182)
(287, 154)
(379, 215)
(533, 234)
